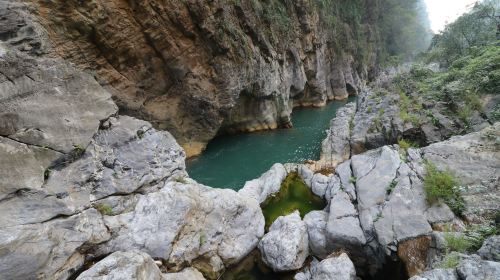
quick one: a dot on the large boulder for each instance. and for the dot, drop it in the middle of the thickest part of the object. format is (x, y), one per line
(186, 274)
(133, 265)
(189, 224)
(285, 247)
(475, 269)
(334, 267)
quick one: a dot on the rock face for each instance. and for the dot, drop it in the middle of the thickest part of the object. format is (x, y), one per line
(339, 267)
(491, 249)
(47, 110)
(336, 148)
(198, 67)
(133, 265)
(285, 247)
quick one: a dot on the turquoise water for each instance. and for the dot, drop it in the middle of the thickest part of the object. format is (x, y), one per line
(231, 160)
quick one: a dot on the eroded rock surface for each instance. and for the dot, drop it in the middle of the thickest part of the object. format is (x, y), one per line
(133, 265)
(285, 247)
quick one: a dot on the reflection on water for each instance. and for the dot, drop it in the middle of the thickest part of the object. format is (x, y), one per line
(231, 160)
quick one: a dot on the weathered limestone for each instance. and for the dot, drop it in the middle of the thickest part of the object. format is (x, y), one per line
(269, 183)
(133, 265)
(128, 156)
(285, 247)
(187, 273)
(186, 223)
(336, 147)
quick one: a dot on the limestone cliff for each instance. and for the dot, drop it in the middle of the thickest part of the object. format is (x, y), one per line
(197, 68)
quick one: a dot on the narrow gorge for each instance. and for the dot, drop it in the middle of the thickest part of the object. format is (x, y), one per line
(248, 139)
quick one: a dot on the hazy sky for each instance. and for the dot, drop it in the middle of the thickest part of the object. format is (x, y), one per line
(443, 11)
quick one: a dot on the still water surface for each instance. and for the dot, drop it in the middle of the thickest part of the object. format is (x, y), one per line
(231, 160)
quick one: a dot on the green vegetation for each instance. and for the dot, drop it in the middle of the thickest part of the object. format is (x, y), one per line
(352, 180)
(293, 195)
(406, 144)
(46, 174)
(391, 187)
(181, 179)
(451, 260)
(105, 209)
(443, 185)
(457, 242)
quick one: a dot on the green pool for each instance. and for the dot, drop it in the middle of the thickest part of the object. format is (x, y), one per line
(231, 160)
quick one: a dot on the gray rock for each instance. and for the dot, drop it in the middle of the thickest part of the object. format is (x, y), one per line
(305, 173)
(336, 148)
(316, 226)
(339, 267)
(319, 184)
(124, 158)
(437, 274)
(472, 269)
(49, 103)
(186, 274)
(184, 221)
(133, 265)
(490, 249)
(268, 183)
(473, 158)
(285, 247)
(49, 250)
(23, 166)
(344, 172)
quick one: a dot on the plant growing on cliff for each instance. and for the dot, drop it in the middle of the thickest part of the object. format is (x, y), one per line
(450, 260)
(457, 242)
(443, 185)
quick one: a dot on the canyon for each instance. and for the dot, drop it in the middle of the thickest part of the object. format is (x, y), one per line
(102, 103)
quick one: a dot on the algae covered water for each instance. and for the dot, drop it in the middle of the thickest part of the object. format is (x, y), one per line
(231, 160)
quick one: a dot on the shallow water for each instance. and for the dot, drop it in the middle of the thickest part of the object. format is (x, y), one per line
(231, 160)
(293, 195)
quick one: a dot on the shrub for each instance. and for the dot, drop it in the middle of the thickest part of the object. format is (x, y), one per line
(443, 185)
(406, 144)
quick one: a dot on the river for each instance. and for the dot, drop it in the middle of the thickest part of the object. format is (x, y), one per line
(231, 160)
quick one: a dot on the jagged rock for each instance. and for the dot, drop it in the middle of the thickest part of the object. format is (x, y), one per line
(187, 223)
(269, 183)
(133, 265)
(53, 249)
(475, 269)
(285, 247)
(186, 274)
(127, 156)
(336, 267)
(414, 253)
(336, 147)
(490, 249)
